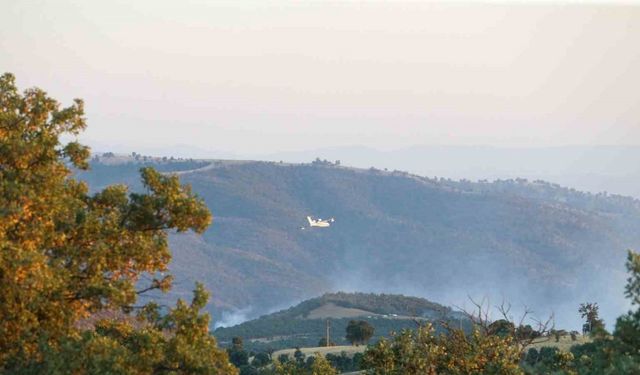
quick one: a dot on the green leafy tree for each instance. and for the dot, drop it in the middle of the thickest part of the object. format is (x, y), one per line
(323, 342)
(239, 358)
(502, 328)
(322, 367)
(288, 368)
(237, 343)
(632, 290)
(66, 256)
(261, 359)
(359, 332)
(299, 356)
(607, 354)
(627, 332)
(319, 366)
(590, 311)
(237, 355)
(249, 370)
(628, 326)
(526, 332)
(421, 352)
(344, 362)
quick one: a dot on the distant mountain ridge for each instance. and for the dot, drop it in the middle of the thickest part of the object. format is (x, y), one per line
(593, 168)
(615, 169)
(533, 243)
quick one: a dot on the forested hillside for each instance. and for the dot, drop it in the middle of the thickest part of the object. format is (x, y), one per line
(305, 324)
(528, 242)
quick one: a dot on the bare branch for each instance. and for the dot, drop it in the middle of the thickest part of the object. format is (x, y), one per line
(480, 316)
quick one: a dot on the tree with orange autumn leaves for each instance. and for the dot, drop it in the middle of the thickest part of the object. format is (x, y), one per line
(66, 256)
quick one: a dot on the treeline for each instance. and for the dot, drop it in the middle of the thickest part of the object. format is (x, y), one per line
(500, 347)
(372, 302)
(292, 327)
(264, 363)
(102, 174)
(282, 333)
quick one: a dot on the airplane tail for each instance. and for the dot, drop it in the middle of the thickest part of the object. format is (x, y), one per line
(310, 220)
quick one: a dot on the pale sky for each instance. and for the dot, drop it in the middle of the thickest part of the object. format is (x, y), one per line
(270, 76)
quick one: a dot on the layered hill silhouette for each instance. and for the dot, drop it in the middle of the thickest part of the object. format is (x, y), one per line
(528, 242)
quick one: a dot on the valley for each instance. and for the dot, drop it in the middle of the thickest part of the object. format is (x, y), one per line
(529, 242)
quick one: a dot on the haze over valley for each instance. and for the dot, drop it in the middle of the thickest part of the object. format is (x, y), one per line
(529, 243)
(304, 187)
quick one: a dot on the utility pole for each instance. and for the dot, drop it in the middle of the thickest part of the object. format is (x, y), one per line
(328, 329)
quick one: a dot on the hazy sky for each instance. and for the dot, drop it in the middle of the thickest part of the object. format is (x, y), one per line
(268, 76)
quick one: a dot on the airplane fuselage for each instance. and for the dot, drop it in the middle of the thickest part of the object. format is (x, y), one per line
(318, 223)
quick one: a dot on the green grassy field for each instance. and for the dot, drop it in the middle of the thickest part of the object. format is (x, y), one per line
(323, 350)
(565, 343)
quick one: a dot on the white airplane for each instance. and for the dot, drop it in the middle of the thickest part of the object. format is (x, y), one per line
(319, 222)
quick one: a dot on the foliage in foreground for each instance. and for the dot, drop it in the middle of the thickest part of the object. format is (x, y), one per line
(422, 352)
(67, 256)
(500, 352)
(618, 353)
(317, 365)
